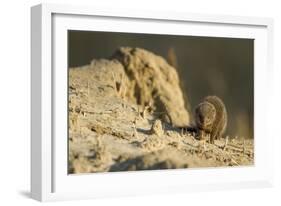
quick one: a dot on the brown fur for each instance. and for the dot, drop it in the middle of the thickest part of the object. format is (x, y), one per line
(211, 117)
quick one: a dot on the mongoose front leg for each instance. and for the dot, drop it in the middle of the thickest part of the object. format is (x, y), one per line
(204, 135)
(201, 134)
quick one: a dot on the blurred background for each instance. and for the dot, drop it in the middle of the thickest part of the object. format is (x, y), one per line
(206, 66)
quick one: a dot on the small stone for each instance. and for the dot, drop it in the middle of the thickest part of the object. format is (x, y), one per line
(157, 128)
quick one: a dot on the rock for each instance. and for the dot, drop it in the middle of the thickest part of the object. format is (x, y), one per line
(153, 81)
(137, 76)
(156, 128)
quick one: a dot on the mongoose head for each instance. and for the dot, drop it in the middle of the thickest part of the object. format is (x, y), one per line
(205, 115)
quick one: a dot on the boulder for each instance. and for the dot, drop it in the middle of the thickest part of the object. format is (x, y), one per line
(152, 81)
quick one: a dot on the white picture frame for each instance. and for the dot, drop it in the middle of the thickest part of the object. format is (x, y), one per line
(49, 178)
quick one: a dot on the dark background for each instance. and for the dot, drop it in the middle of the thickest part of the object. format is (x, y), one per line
(206, 66)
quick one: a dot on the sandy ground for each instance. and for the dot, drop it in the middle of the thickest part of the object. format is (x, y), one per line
(125, 114)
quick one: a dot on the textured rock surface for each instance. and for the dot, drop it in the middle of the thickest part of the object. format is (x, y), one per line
(153, 81)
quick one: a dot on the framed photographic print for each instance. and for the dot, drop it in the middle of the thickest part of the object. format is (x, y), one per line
(138, 102)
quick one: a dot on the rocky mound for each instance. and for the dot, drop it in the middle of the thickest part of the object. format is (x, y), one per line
(152, 81)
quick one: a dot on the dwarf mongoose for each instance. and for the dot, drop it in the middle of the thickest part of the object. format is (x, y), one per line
(211, 118)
